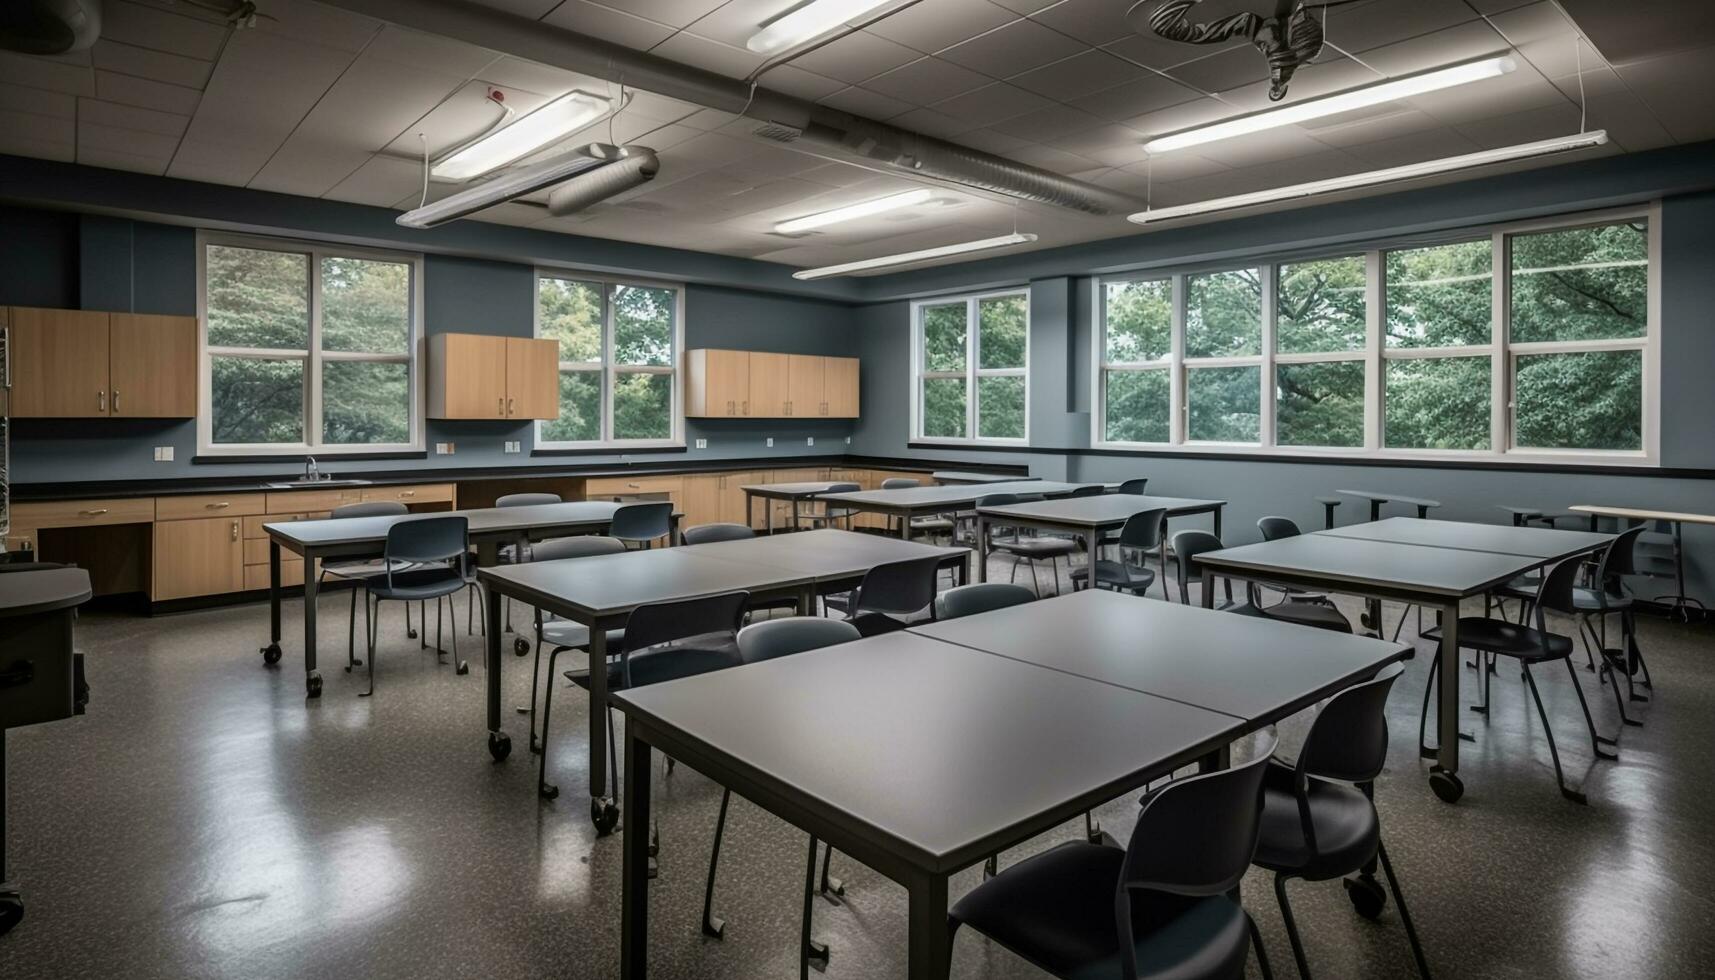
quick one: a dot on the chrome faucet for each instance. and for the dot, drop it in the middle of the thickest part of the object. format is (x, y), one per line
(312, 473)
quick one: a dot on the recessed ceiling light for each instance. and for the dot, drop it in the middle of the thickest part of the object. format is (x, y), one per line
(852, 212)
(807, 23)
(554, 121)
(1595, 137)
(1402, 88)
(907, 258)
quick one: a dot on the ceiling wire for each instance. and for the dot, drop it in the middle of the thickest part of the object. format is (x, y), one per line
(425, 141)
(1578, 61)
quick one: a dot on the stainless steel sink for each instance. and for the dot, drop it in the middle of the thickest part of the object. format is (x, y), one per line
(306, 484)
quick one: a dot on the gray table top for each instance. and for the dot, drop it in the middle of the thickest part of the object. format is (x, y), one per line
(614, 585)
(825, 553)
(1105, 510)
(1336, 561)
(1504, 539)
(962, 476)
(483, 520)
(958, 748)
(1392, 498)
(948, 496)
(42, 590)
(787, 491)
(1256, 669)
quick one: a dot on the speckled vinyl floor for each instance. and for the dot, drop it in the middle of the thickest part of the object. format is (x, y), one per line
(203, 820)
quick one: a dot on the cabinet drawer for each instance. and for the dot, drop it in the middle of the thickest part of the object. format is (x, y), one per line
(209, 505)
(79, 513)
(300, 501)
(253, 525)
(430, 493)
(618, 485)
(256, 576)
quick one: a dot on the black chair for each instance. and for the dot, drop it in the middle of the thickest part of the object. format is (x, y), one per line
(514, 553)
(710, 533)
(357, 570)
(1319, 819)
(1159, 908)
(560, 635)
(756, 643)
(1528, 645)
(980, 597)
(1607, 596)
(1091, 490)
(1031, 548)
(898, 588)
(1134, 486)
(642, 524)
(526, 499)
(830, 515)
(1187, 545)
(424, 559)
(1143, 533)
(1276, 528)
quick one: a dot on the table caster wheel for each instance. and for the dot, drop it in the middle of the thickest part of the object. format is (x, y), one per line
(271, 653)
(520, 647)
(1368, 897)
(313, 685)
(11, 910)
(991, 867)
(714, 927)
(463, 668)
(548, 791)
(818, 952)
(499, 745)
(604, 813)
(1446, 785)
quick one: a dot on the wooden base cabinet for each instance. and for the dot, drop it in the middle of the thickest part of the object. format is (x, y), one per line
(197, 557)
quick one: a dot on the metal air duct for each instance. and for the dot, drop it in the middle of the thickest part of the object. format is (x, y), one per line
(637, 166)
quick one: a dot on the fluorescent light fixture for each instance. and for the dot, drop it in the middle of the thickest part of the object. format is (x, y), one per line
(907, 258)
(852, 212)
(554, 121)
(1402, 88)
(508, 186)
(807, 23)
(1578, 141)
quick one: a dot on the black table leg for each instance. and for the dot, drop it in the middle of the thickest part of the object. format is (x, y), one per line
(982, 551)
(930, 944)
(271, 652)
(312, 677)
(634, 887)
(604, 813)
(499, 743)
(1218, 521)
(1444, 775)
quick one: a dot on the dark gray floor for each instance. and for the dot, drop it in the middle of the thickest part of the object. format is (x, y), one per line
(204, 821)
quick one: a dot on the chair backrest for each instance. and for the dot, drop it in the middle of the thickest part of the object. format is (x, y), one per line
(900, 483)
(642, 522)
(663, 622)
(794, 634)
(843, 488)
(980, 597)
(1143, 529)
(1134, 486)
(1620, 559)
(427, 539)
(526, 499)
(997, 499)
(898, 586)
(1275, 528)
(1187, 545)
(582, 546)
(1093, 490)
(1555, 590)
(1194, 836)
(832, 508)
(707, 533)
(371, 508)
(1348, 738)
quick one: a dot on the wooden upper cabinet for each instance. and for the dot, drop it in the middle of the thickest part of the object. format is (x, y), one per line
(759, 384)
(803, 385)
(153, 366)
(840, 387)
(59, 363)
(717, 383)
(532, 378)
(768, 391)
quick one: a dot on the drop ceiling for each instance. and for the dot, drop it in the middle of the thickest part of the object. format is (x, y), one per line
(323, 103)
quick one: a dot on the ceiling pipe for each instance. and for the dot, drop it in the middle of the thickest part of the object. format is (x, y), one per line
(637, 167)
(781, 118)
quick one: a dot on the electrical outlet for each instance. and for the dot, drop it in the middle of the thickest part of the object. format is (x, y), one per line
(514, 446)
(809, 440)
(848, 440)
(770, 442)
(702, 444)
(163, 454)
(444, 448)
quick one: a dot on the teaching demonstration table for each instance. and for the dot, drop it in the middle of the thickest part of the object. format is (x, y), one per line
(909, 502)
(954, 478)
(1391, 562)
(1087, 517)
(1376, 499)
(366, 537)
(601, 592)
(1680, 603)
(797, 493)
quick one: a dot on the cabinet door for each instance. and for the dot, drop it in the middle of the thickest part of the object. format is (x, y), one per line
(840, 386)
(804, 386)
(198, 557)
(701, 501)
(59, 364)
(733, 499)
(152, 366)
(468, 379)
(728, 383)
(767, 386)
(532, 378)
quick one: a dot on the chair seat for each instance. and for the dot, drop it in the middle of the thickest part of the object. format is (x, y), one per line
(931, 524)
(1117, 574)
(1347, 829)
(417, 583)
(1506, 639)
(875, 624)
(1524, 587)
(1056, 910)
(1307, 614)
(698, 655)
(576, 636)
(1589, 600)
(362, 568)
(1035, 547)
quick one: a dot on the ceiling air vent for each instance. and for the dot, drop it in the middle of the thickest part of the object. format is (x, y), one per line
(49, 26)
(778, 132)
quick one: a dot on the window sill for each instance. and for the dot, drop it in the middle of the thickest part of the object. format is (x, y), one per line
(610, 449)
(205, 457)
(1426, 459)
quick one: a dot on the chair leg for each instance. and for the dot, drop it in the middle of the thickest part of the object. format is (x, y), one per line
(440, 650)
(1404, 914)
(1423, 717)
(535, 682)
(713, 927)
(543, 789)
(351, 633)
(423, 621)
(809, 949)
(369, 624)
(1291, 926)
(460, 667)
(409, 632)
(1596, 741)
(1256, 944)
(1553, 752)
(830, 885)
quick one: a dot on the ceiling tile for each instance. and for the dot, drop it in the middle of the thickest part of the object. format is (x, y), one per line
(317, 23)
(65, 77)
(219, 161)
(990, 104)
(1092, 21)
(1309, 82)
(308, 166)
(1360, 27)
(1535, 22)
(795, 81)
(1110, 146)
(381, 182)
(144, 63)
(533, 9)
(862, 102)
(722, 59)
(1052, 158)
(927, 81)
(41, 102)
(429, 52)
(675, 13)
(90, 134)
(929, 27)
(990, 141)
(541, 79)
(1455, 44)
(116, 159)
(1144, 94)
(161, 30)
(1632, 125)
(131, 117)
(1019, 46)
(1182, 116)
(1025, 6)
(736, 21)
(1153, 51)
(1524, 89)
(1371, 126)
(1180, 165)
(608, 24)
(1043, 125)
(1680, 88)
(1078, 75)
(131, 90)
(14, 142)
(1220, 72)
(1260, 148)
(856, 57)
(1495, 6)
(1528, 126)
(45, 129)
(932, 123)
(1428, 145)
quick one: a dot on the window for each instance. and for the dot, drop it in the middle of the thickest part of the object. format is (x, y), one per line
(972, 358)
(307, 348)
(1528, 340)
(619, 355)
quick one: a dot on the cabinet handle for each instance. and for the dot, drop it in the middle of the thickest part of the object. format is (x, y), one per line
(509, 407)
(747, 406)
(500, 406)
(729, 408)
(788, 408)
(219, 506)
(116, 399)
(101, 402)
(97, 512)
(235, 530)
(407, 493)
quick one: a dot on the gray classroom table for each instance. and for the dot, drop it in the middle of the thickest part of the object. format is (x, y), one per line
(1549, 544)
(1087, 517)
(954, 478)
(1423, 504)
(797, 493)
(366, 537)
(909, 502)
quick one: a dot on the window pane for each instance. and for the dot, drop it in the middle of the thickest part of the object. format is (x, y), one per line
(1223, 314)
(642, 326)
(642, 406)
(1580, 401)
(258, 298)
(944, 408)
(366, 305)
(1139, 406)
(1000, 408)
(256, 401)
(1225, 404)
(365, 402)
(580, 408)
(1439, 296)
(1581, 283)
(1002, 326)
(1319, 306)
(570, 312)
(1140, 321)
(944, 337)
(1438, 403)
(1319, 404)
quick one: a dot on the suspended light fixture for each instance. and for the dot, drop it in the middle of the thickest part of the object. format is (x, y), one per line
(547, 125)
(1410, 171)
(807, 23)
(908, 258)
(508, 186)
(852, 212)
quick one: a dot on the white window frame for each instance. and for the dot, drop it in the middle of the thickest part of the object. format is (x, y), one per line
(971, 374)
(312, 357)
(1187, 364)
(608, 369)
(1502, 354)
